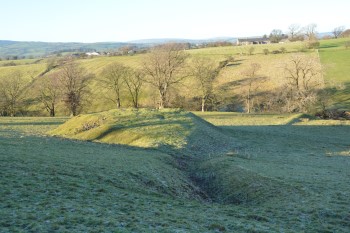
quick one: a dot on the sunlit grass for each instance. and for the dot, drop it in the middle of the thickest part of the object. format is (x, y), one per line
(261, 173)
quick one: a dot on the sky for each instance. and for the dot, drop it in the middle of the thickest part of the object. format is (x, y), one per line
(127, 20)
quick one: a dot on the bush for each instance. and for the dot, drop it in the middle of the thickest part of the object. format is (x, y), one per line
(11, 63)
(313, 44)
(251, 50)
(283, 49)
(347, 44)
(266, 51)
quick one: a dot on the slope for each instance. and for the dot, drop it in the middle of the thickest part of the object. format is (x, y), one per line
(336, 57)
(203, 150)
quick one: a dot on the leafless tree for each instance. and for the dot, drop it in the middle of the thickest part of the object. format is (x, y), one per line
(12, 89)
(310, 31)
(294, 31)
(204, 72)
(134, 83)
(276, 35)
(338, 31)
(304, 77)
(49, 93)
(164, 67)
(113, 78)
(74, 83)
(250, 84)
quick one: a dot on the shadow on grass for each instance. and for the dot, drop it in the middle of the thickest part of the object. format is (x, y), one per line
(30, 123)
(329, 46)
(140, 125)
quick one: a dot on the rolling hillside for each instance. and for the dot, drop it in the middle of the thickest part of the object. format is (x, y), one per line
(336, 58)
(39, 49)
(232, 177)
(333, 56)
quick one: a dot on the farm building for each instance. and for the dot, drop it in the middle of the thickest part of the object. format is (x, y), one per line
(252, 40)
(93, 54)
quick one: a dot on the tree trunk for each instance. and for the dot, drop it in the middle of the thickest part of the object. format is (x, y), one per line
(136, 101)
(52, 111)
(203, 104)
(162, 99)
(73, 110)
(248, 102)
(118, 103)
(248, 105)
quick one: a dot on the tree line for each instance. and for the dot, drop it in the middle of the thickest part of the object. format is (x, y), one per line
(163, 69)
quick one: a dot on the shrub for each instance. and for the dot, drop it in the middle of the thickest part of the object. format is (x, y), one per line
(313, 44)
(283, 49)
(11, 63)
(251, 50)
(347, 44)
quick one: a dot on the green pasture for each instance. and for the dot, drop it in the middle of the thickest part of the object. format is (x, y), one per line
(245, 173)
(336, 59)
(333, 56)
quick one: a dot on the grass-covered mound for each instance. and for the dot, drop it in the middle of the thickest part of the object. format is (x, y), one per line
(173, 129)
(290, 178)
(211, 165)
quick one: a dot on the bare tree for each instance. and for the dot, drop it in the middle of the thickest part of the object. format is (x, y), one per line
(134, 82)
(11, 93)
(304, 76)
(113, 78)
(163, 68)
(276, 35)
(310, 31)
(49, 91)
(294, 31)
(250, 84)
(204, 70)
(338, 31)
(74, 83)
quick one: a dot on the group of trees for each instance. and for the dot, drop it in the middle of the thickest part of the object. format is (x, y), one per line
(163, 68)
(69, 85)
(116, 76)
(296, 32)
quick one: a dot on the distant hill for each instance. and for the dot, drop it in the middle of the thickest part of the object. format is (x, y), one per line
(35, 49)
(180, 40)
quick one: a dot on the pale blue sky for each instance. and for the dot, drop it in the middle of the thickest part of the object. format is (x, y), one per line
(123, 20)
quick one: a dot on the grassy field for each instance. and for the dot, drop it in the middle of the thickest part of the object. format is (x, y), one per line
(231, 74)
(266, 173)
(335, 57)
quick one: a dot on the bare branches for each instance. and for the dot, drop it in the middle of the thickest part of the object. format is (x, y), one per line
(113, 78)
(251, 83)
(204, 71)
(11, 93)
(310, 31)
(304, 77)
(74, 83)
(164, 67)
(134, 83)
(338, 31)
(49, 93)
(294, 31)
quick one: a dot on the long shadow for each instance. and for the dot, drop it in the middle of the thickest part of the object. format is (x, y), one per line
(143, 124)
(342, 96)
(30, 123)
(328, 46)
